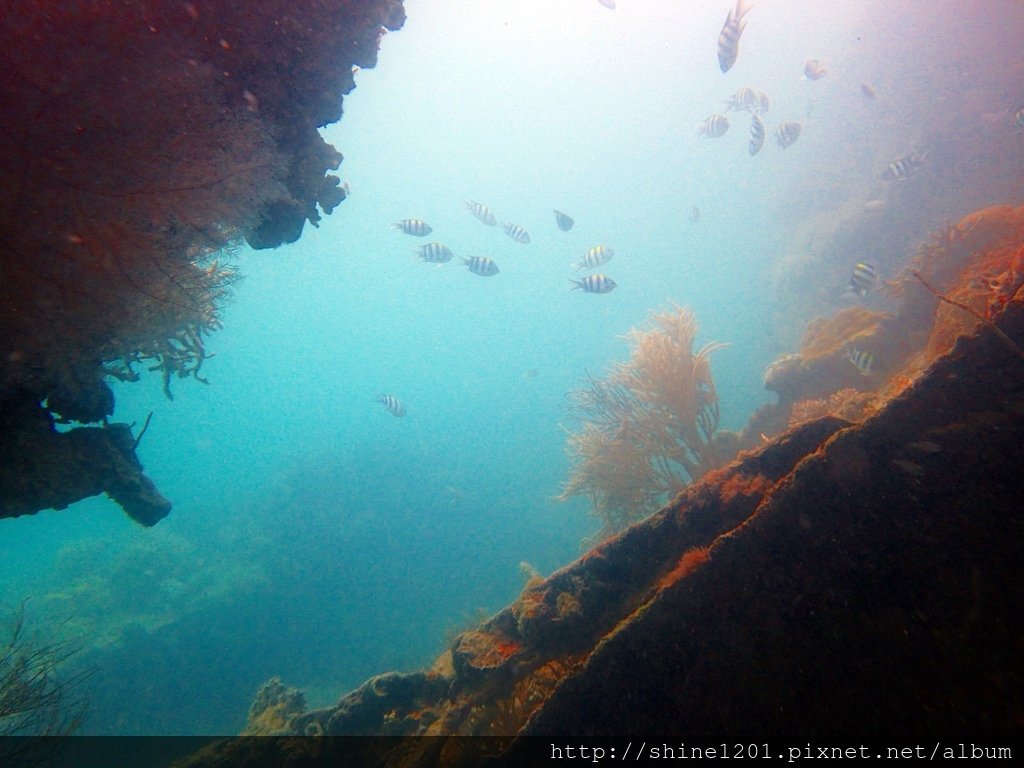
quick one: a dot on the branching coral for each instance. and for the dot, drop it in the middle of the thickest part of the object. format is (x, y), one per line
(36, 698)
(847, 403)
(647, 428)
(973, 269)
(140, 143)
(962, 277)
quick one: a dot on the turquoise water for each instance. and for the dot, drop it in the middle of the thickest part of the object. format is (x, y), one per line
(316, 537)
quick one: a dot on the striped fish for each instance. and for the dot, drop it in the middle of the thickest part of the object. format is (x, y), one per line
(435, 253)
(901, 170)
(482, 212)
(742, 99)
(595, 257)
(864, 278)
(756, 134)
(481, 265)
(729, 38)
(1018, 118)
(517, 233)
(760, 104)
(748, 99)
(713, 127)
(787, 134)
(415, 227)
(393, 404)
(564, 221)
(861, 360)
(595, 284)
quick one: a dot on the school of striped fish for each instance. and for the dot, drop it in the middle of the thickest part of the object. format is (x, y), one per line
(864, 279)
(439, 254)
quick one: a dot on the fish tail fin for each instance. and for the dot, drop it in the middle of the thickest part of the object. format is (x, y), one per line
(576, 284)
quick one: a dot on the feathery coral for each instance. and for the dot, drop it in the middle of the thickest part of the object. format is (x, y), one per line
(648, 426)
(139, 142)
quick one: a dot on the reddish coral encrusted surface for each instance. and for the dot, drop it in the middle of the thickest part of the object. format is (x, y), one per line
(136, 141)
(847, 580)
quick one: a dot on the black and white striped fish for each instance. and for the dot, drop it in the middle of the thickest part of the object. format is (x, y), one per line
(1018, 118)
(729, 37)
(903, 168)
(749, 99)
(435, 253)
(761, 103)
(595, 284)
(742, 99)
(864, 278)
(481, 265)
(756, 134)
(563, 220)
(595, 257)
(482, 212)
(393, 404)
(787, 134)
(862, 361)
(415, 227)
(517, 233)
(713, 127)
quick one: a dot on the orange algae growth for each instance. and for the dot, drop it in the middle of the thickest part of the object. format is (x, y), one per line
(963, 277)
(647, 427)
(830, 336)
(738, 484)
(507, 648)
(506, 716)
(531, 604)
(568, 605)
(687, 564)
(486, 650)
(847, 403)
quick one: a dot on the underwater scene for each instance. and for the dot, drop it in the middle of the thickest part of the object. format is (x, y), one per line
(635, 351)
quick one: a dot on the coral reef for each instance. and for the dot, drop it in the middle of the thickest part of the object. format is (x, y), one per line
(274, 705)
(150, 583)
(854, 551)
(173, 132)
(648, 427)
(960, 278)
(965, 275)
(44, 468)
(840, 551)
